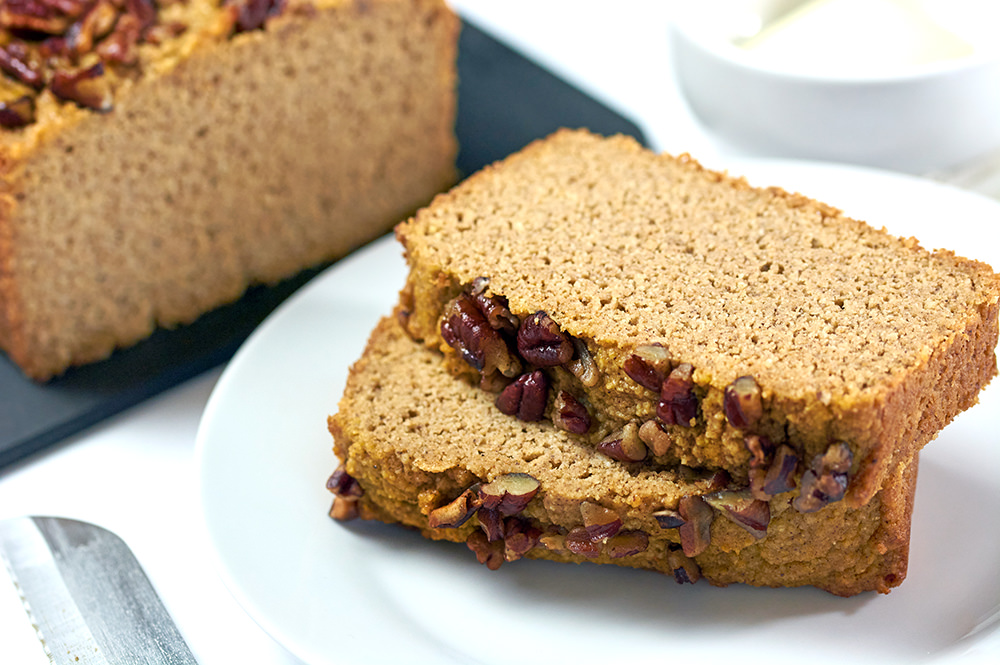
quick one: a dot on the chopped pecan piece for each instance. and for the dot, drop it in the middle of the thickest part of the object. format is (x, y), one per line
(569, 414)
(678, 404)
(18, 112)
(252, 14)
(599, 522)
(491, 522)
(668, 519)
(742, 403)
(826, 479)
(456, 512)
(780, 476)
(541, 343)
(655, 437)
(343, 484)
(519, 537)
(490, 553)
(526, 398)
(743, 509)
(509, 493)
(696, 532)
(87, 87)
(343, 509)
(465, 328)
(19, 62)
(686, 570)
(582, 366)
(578, 541)
(624, 445)
(626, 543)
(494, 308)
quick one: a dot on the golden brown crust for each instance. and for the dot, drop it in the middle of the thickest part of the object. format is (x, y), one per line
(230, 162)
(415, 439)
(852, 335)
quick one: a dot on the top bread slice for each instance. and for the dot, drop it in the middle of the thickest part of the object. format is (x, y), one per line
(239, 142)
(669, 283)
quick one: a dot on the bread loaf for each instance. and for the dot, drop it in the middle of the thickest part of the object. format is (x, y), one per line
(157, 158)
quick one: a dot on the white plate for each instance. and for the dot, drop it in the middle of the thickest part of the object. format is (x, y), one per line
(370, 593)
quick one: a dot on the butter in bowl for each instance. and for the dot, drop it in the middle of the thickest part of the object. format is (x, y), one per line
(908, 85)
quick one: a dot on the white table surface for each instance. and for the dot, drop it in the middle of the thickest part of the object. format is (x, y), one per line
(135, 473)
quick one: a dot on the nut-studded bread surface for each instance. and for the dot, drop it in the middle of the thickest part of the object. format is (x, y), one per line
(422, 449)
(645, 286)
(240, 143)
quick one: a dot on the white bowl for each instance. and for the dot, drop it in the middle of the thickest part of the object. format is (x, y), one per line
(909, 116)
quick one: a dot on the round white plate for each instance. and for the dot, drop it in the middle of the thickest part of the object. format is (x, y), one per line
(370, 593)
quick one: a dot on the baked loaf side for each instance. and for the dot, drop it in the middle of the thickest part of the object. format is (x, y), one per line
(423, 449)
(681, 308)
(240, 150)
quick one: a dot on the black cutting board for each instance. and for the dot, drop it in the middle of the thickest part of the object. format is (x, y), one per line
(504, 102)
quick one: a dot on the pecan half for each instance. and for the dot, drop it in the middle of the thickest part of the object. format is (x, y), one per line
(526, 398)
(678, 404)
(541, 343)
(648, 366)
(466, 329)
(578, 541)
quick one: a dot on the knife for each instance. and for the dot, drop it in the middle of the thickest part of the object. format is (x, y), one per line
(86, 595)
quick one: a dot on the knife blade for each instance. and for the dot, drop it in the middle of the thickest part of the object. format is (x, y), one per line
(87, 596)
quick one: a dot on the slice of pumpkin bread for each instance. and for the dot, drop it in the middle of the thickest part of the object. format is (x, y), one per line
(423, 449)
(673, 315)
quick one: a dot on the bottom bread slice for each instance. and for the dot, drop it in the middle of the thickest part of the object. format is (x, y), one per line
(421, 448)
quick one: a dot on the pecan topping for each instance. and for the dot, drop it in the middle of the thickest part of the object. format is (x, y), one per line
(668, 519)
(494, 308)
(541, 343)
(456, 512)
(569, 414)
(526, 397)
(826, 479)
(742, 403)
(678, 404)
